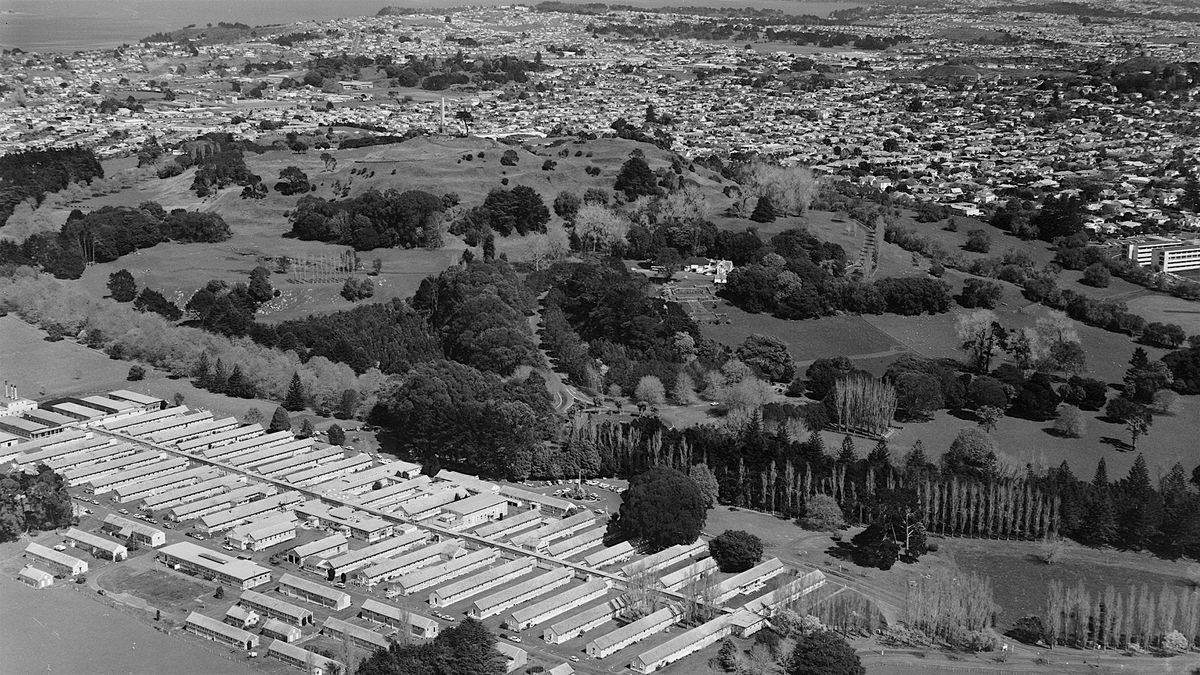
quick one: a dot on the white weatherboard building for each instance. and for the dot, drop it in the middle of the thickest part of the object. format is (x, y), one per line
(363, 638)
(263, 534)
(209, 564)
(527, 617)
(211, 629)
(426, 577)
(522, 592)
(389, 615)
(685, 644)
(480, 583)
(583, 622)
(35, 578)
(472, 511)
(54, 561)
(275, 608)
(326, 548)
(748, 581)
(123, 528)
(302, 658)
(311, 591)
(97, 546)
(639, 630)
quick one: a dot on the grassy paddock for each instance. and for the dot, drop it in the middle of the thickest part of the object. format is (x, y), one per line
(156, 587)
(1020, 578)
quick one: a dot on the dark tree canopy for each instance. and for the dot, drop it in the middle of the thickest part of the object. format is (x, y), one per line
(823, 653)
(636, 179)
(121, 286)
(464, 649)
(371, 220)
(736, 550)
(280, 421)
(33, 501)
(661, 508)
(769, 356)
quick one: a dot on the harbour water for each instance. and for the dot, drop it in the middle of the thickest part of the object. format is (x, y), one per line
(68, 25)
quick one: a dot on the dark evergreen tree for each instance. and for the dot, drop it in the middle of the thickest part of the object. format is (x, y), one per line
(121, 286)
(848, 454)
(295, 399)
(764, 210)
(280, 420)
(219, 379)
(636, 179)
(336, 435)
(880, 455)
(1099, 523)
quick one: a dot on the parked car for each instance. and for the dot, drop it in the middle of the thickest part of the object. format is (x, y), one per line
(124, 512)
(60, 547)
(515, 638)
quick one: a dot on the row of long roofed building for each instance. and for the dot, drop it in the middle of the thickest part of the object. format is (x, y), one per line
(534, 561)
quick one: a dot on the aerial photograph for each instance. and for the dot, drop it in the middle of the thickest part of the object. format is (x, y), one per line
(748, 337)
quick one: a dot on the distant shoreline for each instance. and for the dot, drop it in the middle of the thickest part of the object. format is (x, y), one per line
(83, 25)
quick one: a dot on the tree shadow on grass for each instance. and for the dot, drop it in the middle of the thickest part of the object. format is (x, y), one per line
(1057, 433)
(964, 414)
(1117, 443)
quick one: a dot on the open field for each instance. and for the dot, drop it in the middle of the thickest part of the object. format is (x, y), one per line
(1167, 309)
(436, 165)
(155, 586)
(808, 339)
(61, 630)
(1171, 440)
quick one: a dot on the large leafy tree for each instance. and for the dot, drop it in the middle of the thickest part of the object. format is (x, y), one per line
(121, 286)
(636, 179)
(33, 501)
(450, 413)
(736, 550)
(823, 653)
(769, 356)
(661, 508)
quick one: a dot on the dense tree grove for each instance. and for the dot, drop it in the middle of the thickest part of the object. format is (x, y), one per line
(30, 174)
(33, 501)
(971, 494)
(125, 333)
(109, 233)
(389, 336)
(602, 305)
(478, 311)
(448, 413)
(465, 648)
(371, 220)
(797, 276)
